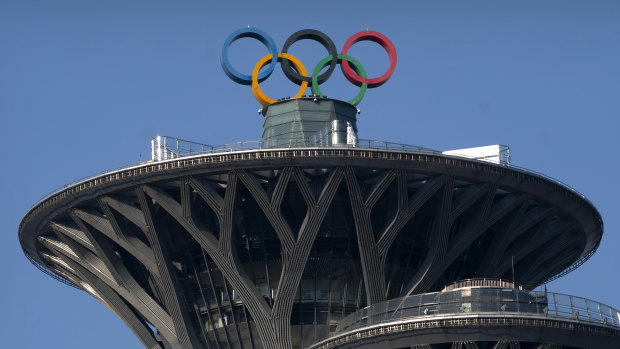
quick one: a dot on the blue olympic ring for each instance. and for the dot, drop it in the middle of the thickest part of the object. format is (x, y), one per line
(258, 34)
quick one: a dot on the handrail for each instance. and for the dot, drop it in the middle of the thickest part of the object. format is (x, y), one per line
(194, 149)
(489, 300)
(240, 146)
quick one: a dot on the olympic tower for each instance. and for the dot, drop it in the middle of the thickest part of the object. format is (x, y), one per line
(314, 238)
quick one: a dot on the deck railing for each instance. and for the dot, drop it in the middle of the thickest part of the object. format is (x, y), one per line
(165, 148)
(489, 301)
(170, 148)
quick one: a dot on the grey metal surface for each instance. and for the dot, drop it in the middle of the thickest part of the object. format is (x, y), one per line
(296, 121)
(114, 225)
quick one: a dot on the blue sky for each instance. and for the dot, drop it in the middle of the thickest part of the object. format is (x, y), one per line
(84, 85)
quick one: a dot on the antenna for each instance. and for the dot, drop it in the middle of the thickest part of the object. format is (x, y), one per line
(513, 270)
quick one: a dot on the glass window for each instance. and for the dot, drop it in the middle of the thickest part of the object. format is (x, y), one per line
(308, 295)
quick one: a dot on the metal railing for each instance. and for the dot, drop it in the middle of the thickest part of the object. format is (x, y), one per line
(165, 148)
(482, 301)
(175, 148)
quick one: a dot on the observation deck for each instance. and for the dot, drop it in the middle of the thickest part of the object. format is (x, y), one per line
(271, 244)
(480, 311)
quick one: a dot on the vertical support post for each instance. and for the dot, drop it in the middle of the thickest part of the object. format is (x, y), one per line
(158, 144)
(152, 148)
(165, 147)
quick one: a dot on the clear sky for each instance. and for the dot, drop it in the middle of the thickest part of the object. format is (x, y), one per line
(84, 85)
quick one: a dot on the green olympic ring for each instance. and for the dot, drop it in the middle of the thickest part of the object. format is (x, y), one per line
(357, 66)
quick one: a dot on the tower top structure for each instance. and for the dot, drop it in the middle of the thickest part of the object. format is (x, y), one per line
(313, 238)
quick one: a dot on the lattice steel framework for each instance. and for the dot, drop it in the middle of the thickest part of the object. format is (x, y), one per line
(271, 248)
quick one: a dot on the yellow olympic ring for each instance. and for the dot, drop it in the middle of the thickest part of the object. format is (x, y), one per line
(256, 91)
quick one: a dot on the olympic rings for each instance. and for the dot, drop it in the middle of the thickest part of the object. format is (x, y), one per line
(256, 91)
(379, 39)
(354, 72)
(356, 66)
(248, 33)
(316, 36)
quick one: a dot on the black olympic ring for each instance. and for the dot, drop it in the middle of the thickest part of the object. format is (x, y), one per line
(319, 37)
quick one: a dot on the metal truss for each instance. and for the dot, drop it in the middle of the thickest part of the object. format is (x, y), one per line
(177, 255)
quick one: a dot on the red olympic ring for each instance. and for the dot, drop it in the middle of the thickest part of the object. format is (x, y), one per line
(379, 39)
